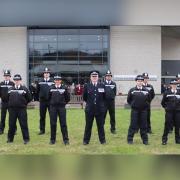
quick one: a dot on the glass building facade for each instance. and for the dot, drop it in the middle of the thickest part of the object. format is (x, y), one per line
(71, 52)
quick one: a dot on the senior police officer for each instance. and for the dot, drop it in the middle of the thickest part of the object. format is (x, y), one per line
(4, 87)
(43, 88)
(94, 96)
(18, 98)
(110, 92)
(138, 98)
(171, 104)
(152, 93)
(59, 97)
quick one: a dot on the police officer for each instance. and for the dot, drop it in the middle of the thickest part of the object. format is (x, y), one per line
(4, 87)
(43, 88)
(178, 80)
(19, 97)
(178, 87)
(152, 93)
(59, 97)
(138, 98)
(110, 92)
(94, 96)
(171, 104)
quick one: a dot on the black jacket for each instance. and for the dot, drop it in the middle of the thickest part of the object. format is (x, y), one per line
(19, 98)
(170, 100)
(139, 99)
(4, 90)
(43, 89)
(59, 96)
(94, 98)
(150, 88)
(110, 91)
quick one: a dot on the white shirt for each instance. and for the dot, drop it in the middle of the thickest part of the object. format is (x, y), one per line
(140, 88)
(109, 82)
(17, 87)
(145, 84)
(58, 86)
(6, 82)
(46, 79)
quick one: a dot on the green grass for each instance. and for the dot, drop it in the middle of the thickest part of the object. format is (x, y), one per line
(116, 144)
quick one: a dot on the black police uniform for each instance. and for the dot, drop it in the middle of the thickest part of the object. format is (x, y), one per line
(171, 104)
(18, 100)
(94, 96)
(139, 101)
(150, 88)
(110, 94)
(4, 87)
(43, 88)
(177, 79)
(59, 97)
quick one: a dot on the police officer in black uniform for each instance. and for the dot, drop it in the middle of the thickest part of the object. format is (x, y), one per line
(138, 98)
(43, 88)
(110, 92)
(178, 80)
(59, 97)
(94, 96)
(18, 98)
(4, 87)
(151, 90)
(171, 104)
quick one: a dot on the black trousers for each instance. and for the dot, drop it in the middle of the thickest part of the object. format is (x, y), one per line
(149, 119)
(21, 115)
(172, 118)
(110, 106)
(89, 123)
(60, 112)
(4, 109)
(44, 106)
(138, 119)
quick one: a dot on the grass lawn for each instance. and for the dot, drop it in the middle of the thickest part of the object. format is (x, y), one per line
(116, 144)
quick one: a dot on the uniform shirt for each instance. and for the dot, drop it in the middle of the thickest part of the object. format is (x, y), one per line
(18, 97)
(59, 95)
(17, 86)
(43, 88)
(110, 90)
(171, 100)
(94, 96)
(139, 98)
(150, 89)
(4, 87)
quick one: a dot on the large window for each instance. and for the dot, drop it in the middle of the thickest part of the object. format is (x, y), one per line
(71, 52)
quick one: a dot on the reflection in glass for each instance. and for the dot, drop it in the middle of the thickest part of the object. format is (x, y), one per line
(71, 52)
(45, 45)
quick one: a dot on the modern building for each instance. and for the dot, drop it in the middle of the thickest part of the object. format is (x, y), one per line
(34, 38)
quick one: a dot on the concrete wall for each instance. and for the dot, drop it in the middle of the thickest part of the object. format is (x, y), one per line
(13, 51)
(170, 48)
(134, 50)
